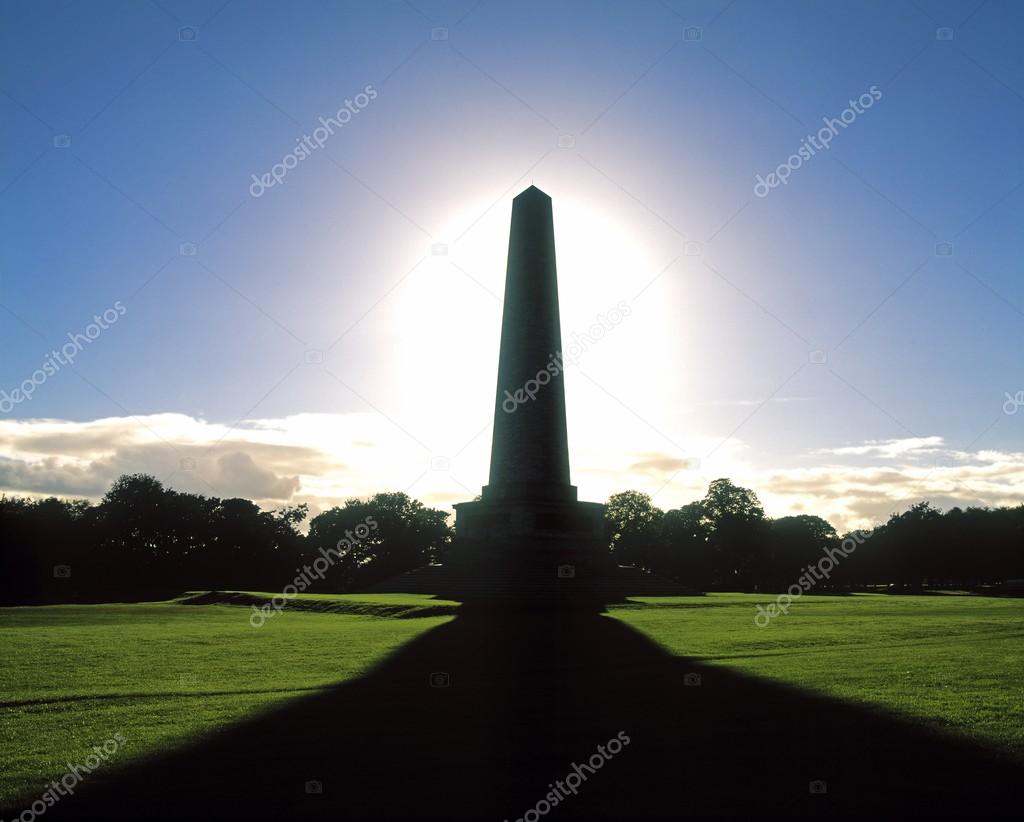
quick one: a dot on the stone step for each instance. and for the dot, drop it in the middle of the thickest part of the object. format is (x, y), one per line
(448, 582)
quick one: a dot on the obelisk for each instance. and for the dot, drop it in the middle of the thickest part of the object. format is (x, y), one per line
(528, 527)
(530, 444)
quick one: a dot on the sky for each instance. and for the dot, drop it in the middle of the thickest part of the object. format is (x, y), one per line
(811, 211)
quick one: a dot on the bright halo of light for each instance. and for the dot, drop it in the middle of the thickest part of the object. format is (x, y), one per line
(446, 320)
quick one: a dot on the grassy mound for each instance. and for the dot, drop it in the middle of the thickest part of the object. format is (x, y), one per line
(391, 606)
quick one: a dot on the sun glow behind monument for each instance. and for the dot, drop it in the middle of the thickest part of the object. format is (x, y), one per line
(447, 319)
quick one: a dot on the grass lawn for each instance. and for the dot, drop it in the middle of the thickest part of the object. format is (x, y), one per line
(165, 673)
(955, 662)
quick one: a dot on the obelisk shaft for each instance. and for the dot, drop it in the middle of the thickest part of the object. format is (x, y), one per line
(530, 446)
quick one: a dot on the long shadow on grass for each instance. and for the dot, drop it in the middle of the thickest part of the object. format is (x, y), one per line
(528, 698)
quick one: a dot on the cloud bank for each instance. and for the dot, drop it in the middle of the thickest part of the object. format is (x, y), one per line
(323, 459)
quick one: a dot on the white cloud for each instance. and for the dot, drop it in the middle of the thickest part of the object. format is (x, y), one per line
(239, 470)
(889, 449)
(857, 496)
(323, 459)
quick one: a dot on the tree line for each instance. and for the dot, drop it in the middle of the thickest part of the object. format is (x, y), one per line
(146, 541)
(726, 542)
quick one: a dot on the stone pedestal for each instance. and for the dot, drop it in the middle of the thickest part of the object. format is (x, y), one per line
(531, 554)
(563, 529)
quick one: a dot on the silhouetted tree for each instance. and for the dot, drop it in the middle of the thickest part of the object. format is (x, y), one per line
(686, 553)
(632, 525)
(795, 543)
(737, 530)
(42, 542)
(401, 534)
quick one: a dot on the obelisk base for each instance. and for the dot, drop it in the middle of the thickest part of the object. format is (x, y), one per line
(551, 524)
(529, 553)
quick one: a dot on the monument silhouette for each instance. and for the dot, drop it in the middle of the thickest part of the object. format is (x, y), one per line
(528, 524)
(528, 538)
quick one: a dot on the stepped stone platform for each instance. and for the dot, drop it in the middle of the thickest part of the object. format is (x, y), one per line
(530, 587)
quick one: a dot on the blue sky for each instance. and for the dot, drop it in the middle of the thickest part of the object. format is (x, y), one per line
(817, 343)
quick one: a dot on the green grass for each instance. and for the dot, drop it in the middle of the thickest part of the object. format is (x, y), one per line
(952, 662)
(163, 674)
